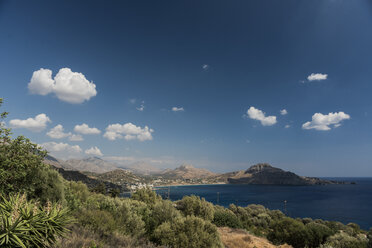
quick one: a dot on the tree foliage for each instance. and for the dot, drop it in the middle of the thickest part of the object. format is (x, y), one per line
(193, 205)
(225, 217)
(190, 232)
(22, 168)
(146, 195)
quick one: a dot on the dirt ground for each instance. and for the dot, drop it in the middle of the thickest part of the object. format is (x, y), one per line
(237, 238)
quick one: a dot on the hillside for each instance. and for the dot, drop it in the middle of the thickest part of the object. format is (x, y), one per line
(57, 163)
(266, 174)
(77, 176)
(187, 172)
(121, 177)
(68, 173)
(91, 164)
(141, 168)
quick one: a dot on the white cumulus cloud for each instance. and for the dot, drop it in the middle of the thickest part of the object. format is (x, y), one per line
(283, 112)
(259, 115)
(205, 67)
(61, 147)
(76, 137)
(57, 132)
(128, 131)
(95, 151)
(178, 109)
(85, 129)
(325, 122)
(36, 124)
(68, 86)
(317, 77)
(41, 82)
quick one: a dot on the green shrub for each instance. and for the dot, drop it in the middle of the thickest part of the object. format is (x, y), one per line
(344, 240)
(318, 233)
(225, 217)
(131, 218)
(100, 221)
(162, 211)
(48, 185)
(188, 232)
(147, 196)
(193, 205)
(369, 236)
(289, 231)
(76, 194)
(26, 224)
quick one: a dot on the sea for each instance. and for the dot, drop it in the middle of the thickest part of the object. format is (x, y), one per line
(340, 202)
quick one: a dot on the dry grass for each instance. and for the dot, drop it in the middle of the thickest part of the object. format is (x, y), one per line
(236, 238)
(80, 237)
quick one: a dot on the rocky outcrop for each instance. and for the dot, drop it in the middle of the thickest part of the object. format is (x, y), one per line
(268, 175)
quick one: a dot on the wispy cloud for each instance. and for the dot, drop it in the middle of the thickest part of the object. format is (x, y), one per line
(317, 77)
(141, 107)
(178, 109)
(283, 112)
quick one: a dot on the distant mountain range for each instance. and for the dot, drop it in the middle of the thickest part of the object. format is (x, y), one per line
(187, 171)
(102, 170)
(91, 164)
(141, 168)
(98, 165)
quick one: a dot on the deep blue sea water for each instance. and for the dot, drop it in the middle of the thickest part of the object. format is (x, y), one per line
(345, 203)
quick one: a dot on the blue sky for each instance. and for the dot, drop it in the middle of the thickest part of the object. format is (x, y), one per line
(210, 60)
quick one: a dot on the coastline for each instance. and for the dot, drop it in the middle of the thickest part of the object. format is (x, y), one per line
(180, 185)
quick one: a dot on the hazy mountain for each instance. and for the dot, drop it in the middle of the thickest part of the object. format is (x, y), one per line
(69, 173)
(120, 177)
(57, 163)
(77, 176)
(187, 171)
(91, 164)
(266, 174)
(141, 168)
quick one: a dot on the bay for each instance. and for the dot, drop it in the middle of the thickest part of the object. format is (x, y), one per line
(345, 203)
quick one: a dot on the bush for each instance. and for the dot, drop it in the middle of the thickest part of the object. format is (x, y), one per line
(97, 220)
(26, 224)
(193, 205)
(225, 217)
(132, 218)
(162, 211)
(146, 195)
(188, 232)
(369, 236)
(318, 234)
(76, 194)
(289, 231)
(48, 185)
(344, 240)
